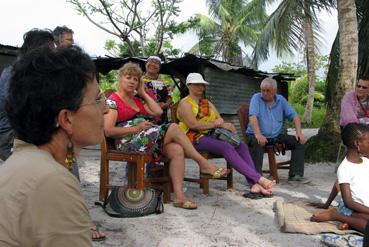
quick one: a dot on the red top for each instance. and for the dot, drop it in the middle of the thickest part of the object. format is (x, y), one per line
(125, 112)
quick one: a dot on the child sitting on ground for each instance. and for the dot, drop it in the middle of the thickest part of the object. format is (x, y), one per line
(353, 180)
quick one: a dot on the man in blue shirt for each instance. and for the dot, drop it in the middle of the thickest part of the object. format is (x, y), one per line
(267, 113)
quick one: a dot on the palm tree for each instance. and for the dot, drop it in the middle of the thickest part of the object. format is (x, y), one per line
(341, 74)
(292, 25)
(348, 27)
(232, 22)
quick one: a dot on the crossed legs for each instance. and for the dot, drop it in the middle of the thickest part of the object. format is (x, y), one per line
(357, 221)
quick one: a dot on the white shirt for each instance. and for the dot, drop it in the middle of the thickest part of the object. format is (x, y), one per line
(357, 175)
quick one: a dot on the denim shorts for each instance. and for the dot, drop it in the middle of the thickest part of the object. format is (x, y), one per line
(342, 209)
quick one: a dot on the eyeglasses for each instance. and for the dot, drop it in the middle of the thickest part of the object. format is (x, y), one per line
(100, 99)
(361, 86)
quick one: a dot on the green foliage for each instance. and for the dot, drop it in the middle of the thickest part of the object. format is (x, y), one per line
(108, 81)
(317, 117)
(231, 24)
(298, 69)
(122, 49)
(142, 27)
(298, 89)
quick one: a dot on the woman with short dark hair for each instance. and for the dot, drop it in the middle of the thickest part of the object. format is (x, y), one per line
(55, 108)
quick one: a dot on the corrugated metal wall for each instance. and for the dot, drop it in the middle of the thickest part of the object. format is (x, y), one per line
(228, 90)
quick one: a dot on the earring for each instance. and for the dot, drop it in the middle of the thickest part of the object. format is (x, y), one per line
(69, 160)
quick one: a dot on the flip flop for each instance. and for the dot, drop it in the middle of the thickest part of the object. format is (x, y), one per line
(355, 241)
(256, 195)
(216, 175)
(96, 230)
(334, 240)
(185, 205)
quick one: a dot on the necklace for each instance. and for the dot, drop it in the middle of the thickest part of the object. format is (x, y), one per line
(155, 77)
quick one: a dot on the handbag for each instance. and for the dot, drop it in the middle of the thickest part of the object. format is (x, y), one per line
(127, 203)
(226, 135)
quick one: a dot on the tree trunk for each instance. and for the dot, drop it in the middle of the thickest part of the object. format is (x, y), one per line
(347, 22)
(310, 58)
(324, 146)
(341, 77)
(363, 11)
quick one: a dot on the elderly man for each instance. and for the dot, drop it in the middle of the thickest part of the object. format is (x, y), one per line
(63, 36)
(355, 104)
(267, 112)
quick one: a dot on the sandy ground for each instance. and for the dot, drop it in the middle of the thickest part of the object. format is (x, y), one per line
(224, 218)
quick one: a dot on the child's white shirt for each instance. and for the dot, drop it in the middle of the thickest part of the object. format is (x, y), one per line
(357, 175)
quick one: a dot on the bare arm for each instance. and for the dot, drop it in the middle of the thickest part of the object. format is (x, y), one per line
(349, 202)
(185, 111)
(332, 195)
(255, 127)
(113, 131)
(151, 107)
(299, 136)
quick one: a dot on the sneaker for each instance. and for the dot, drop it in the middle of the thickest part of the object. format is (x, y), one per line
(298, 179)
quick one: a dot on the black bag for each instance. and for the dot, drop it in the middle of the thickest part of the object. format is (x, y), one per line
(126, 203)
(226, 135)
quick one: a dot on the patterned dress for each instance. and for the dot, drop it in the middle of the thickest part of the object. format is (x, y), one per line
(148, 141)
(160, 90)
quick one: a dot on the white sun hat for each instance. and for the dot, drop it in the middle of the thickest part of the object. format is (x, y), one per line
(195, 78)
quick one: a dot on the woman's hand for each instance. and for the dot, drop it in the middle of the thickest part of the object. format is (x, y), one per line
(218, 123)
(229, 127)
(145, 125)
(141, 90)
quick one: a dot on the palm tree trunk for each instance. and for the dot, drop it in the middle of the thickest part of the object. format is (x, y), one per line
(347, 23)
(310, 57)
(343, 62)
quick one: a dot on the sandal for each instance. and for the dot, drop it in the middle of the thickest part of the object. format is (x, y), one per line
(96, 234)
(256, 195)
(333, 240)
(217, 174)
(185, 205)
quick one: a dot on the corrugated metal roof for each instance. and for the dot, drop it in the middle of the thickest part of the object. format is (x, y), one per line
(230, 86)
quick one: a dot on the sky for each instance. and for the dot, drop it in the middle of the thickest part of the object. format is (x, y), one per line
(19, 16)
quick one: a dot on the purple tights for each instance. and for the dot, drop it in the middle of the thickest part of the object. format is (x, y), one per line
(239, 158)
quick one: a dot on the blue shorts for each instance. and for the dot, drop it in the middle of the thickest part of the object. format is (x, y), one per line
(342, 209)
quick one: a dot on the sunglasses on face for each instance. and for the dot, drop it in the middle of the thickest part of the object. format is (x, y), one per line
(361, 86)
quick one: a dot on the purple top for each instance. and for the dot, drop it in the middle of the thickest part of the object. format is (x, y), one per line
(351, 110)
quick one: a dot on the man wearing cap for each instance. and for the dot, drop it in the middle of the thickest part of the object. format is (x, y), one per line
(159, 89)
(267, 113)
